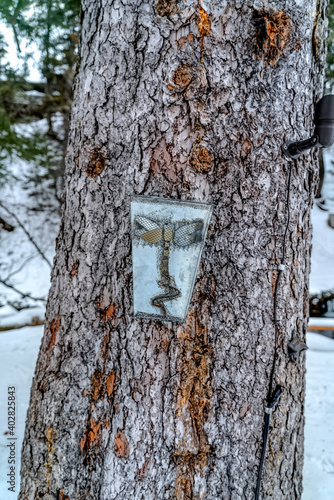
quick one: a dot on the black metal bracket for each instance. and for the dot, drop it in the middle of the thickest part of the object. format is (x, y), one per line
(293, 150)
(295, 347)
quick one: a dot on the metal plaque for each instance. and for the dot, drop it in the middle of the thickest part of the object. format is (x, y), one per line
(167, 241)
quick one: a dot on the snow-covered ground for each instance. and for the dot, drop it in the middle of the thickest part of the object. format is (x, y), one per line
(18, 354)
(319, 417)
(322, 268)
(19, 349)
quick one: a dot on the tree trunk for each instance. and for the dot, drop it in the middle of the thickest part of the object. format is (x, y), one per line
(187, 101)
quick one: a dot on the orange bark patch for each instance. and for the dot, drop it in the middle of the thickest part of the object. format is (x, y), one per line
(121, 445)
(142, 472)
(110, 384)
(246, 148)
(110, 312)
(193, 403)
(96, 386)
(74, 270)
(166, 7)
(96, 164)
(165, 344)
(91, 435)
(272, 34)
(62, 496)
(202, 160)
(54, 327)
(183, 76)
(204, 24)
(104, 345)
(185, 39)
(107, 313)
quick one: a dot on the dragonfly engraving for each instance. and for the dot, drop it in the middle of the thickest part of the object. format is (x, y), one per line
(164, 235)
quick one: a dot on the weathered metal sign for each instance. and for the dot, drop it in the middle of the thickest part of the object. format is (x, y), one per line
(167, 241)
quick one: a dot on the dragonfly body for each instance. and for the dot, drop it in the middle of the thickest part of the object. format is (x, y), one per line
(179, 234)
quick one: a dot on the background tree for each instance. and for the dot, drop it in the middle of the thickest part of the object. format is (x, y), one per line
(190, 102)
(53, 26)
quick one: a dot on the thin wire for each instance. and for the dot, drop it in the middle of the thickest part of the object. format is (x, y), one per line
(273, 369)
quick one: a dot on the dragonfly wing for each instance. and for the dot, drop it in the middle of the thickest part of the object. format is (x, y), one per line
(189, 233)
(147, 229)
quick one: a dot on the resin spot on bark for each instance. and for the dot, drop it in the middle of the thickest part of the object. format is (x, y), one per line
(142, 472)
(74, 270)
(62, 496)
(53, 328)
(183, 76)
(166, 7)
(110, 384)
(121, 445)
(193, 403)
(272, 35)
(96, 164)
(204, 24)
(96, 387)
(202, 160)
(91, 436)
(101, 385)
(185, 39)
(108, 313)
(50, 455)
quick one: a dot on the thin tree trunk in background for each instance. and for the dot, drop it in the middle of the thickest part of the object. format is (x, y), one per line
(186, 101)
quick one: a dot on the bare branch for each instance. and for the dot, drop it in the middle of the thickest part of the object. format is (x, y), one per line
(28, 234)
(19, 269)
(24, 295)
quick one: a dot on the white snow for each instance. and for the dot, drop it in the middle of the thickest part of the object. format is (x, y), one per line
(322, 268)
(19, 349)
(18, 354)
(318, 471)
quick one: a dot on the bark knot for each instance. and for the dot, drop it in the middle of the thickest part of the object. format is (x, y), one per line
(273, 32)
(166, 7)
(183, 76)
(202, 160)
(96, 163)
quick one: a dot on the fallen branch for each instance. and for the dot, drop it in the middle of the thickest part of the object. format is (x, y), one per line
(27, 233)
(5, 225)
(16, 327)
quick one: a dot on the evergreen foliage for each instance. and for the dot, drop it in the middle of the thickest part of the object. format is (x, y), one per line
(34, 116)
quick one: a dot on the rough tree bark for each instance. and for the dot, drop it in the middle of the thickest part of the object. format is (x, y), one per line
(188, 101)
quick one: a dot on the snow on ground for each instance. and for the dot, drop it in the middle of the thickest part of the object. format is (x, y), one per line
(18, 354)
(322, 268)
(318, 471)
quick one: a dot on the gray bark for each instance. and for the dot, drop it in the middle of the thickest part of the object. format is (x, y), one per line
(191, 102)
